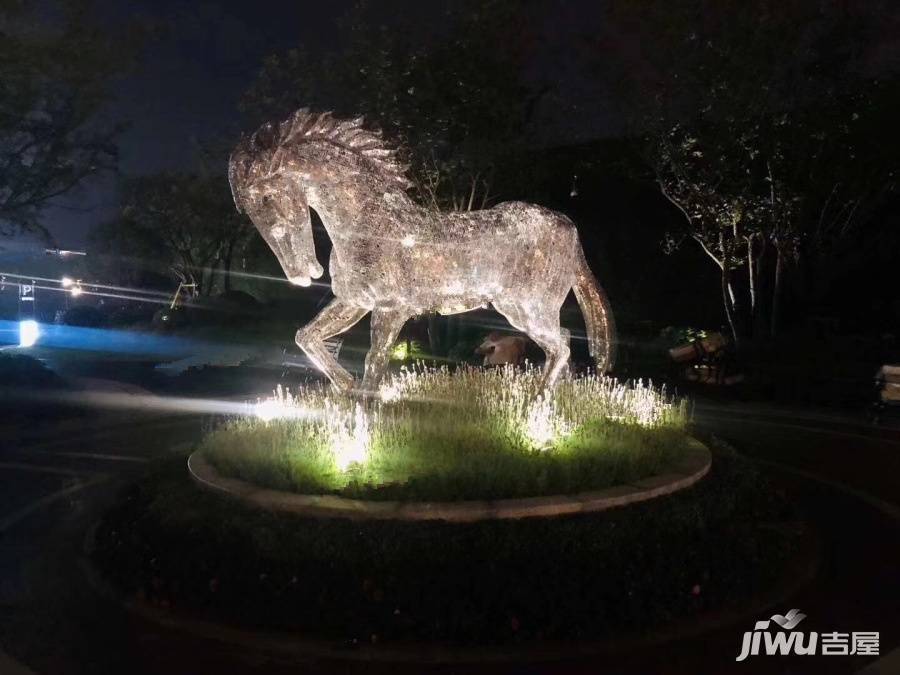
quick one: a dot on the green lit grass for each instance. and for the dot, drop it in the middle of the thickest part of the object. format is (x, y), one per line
(468, 434)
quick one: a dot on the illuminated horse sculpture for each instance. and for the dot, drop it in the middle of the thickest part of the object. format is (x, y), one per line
(397, 259)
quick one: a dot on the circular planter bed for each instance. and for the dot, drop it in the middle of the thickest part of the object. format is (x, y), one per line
(469, 435)
(171, 546)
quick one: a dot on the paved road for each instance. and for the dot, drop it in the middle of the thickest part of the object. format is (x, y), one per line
(56, 482)
(841, 447)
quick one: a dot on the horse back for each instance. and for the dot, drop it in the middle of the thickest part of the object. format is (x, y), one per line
(504, 221)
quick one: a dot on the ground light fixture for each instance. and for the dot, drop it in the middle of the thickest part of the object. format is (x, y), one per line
(270, 409)
(28, 332)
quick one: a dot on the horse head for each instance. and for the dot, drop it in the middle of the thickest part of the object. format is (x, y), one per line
(273, 197)
(273, 171)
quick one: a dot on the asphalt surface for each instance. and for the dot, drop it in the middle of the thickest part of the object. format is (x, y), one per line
(843, 474)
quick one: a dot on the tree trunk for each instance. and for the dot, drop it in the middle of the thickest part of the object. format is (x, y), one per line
(434, 336)
(763, 306)
(226, 268)
(728, 300)
(776, 290)
(751, 279)
(452, 331)
(199, 287)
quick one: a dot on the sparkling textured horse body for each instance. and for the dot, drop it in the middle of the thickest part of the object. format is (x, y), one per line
(396, 259)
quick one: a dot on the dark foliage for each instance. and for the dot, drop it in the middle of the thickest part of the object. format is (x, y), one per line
(19, 370)
(53, 84)
(85, 315)
(185, 223)
(627, 570)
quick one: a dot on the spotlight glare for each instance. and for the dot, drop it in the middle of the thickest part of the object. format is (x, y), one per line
(269, 409)
(543, 425)
(66, 282)
(350, 444)
(390, 392)
(28, 332)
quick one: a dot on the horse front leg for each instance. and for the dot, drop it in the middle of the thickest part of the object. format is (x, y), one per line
(386, 325)
(335, 318)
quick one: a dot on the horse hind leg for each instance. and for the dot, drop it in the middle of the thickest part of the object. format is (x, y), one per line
(557, 350)
(386, 326)
(542, 327)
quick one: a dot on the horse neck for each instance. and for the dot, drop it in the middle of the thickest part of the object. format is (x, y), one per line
(337, 208)
(328, 204)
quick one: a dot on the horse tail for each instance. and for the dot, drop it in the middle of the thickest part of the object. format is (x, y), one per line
(598, 317)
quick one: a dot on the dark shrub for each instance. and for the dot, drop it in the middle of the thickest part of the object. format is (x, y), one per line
(18, 370)
(84, 315)
(224, 308)
(169, 318)
(129, 314)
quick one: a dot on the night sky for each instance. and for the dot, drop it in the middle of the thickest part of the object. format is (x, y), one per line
(186, 86)
(185, 89)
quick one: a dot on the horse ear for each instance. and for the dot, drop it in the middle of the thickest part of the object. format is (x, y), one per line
(264, 137)
(328, 124)
(302, 122)
(286, 127)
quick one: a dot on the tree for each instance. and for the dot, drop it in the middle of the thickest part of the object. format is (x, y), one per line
(756, 119)
(186, 220)
(53, 83)
(445, 79)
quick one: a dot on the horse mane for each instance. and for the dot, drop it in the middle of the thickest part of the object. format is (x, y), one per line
(350, 134)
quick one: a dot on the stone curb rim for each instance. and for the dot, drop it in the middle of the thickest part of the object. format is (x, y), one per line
(690, 469)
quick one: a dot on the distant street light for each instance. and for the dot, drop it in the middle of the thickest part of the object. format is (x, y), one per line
(74, 286)
(62, 253)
